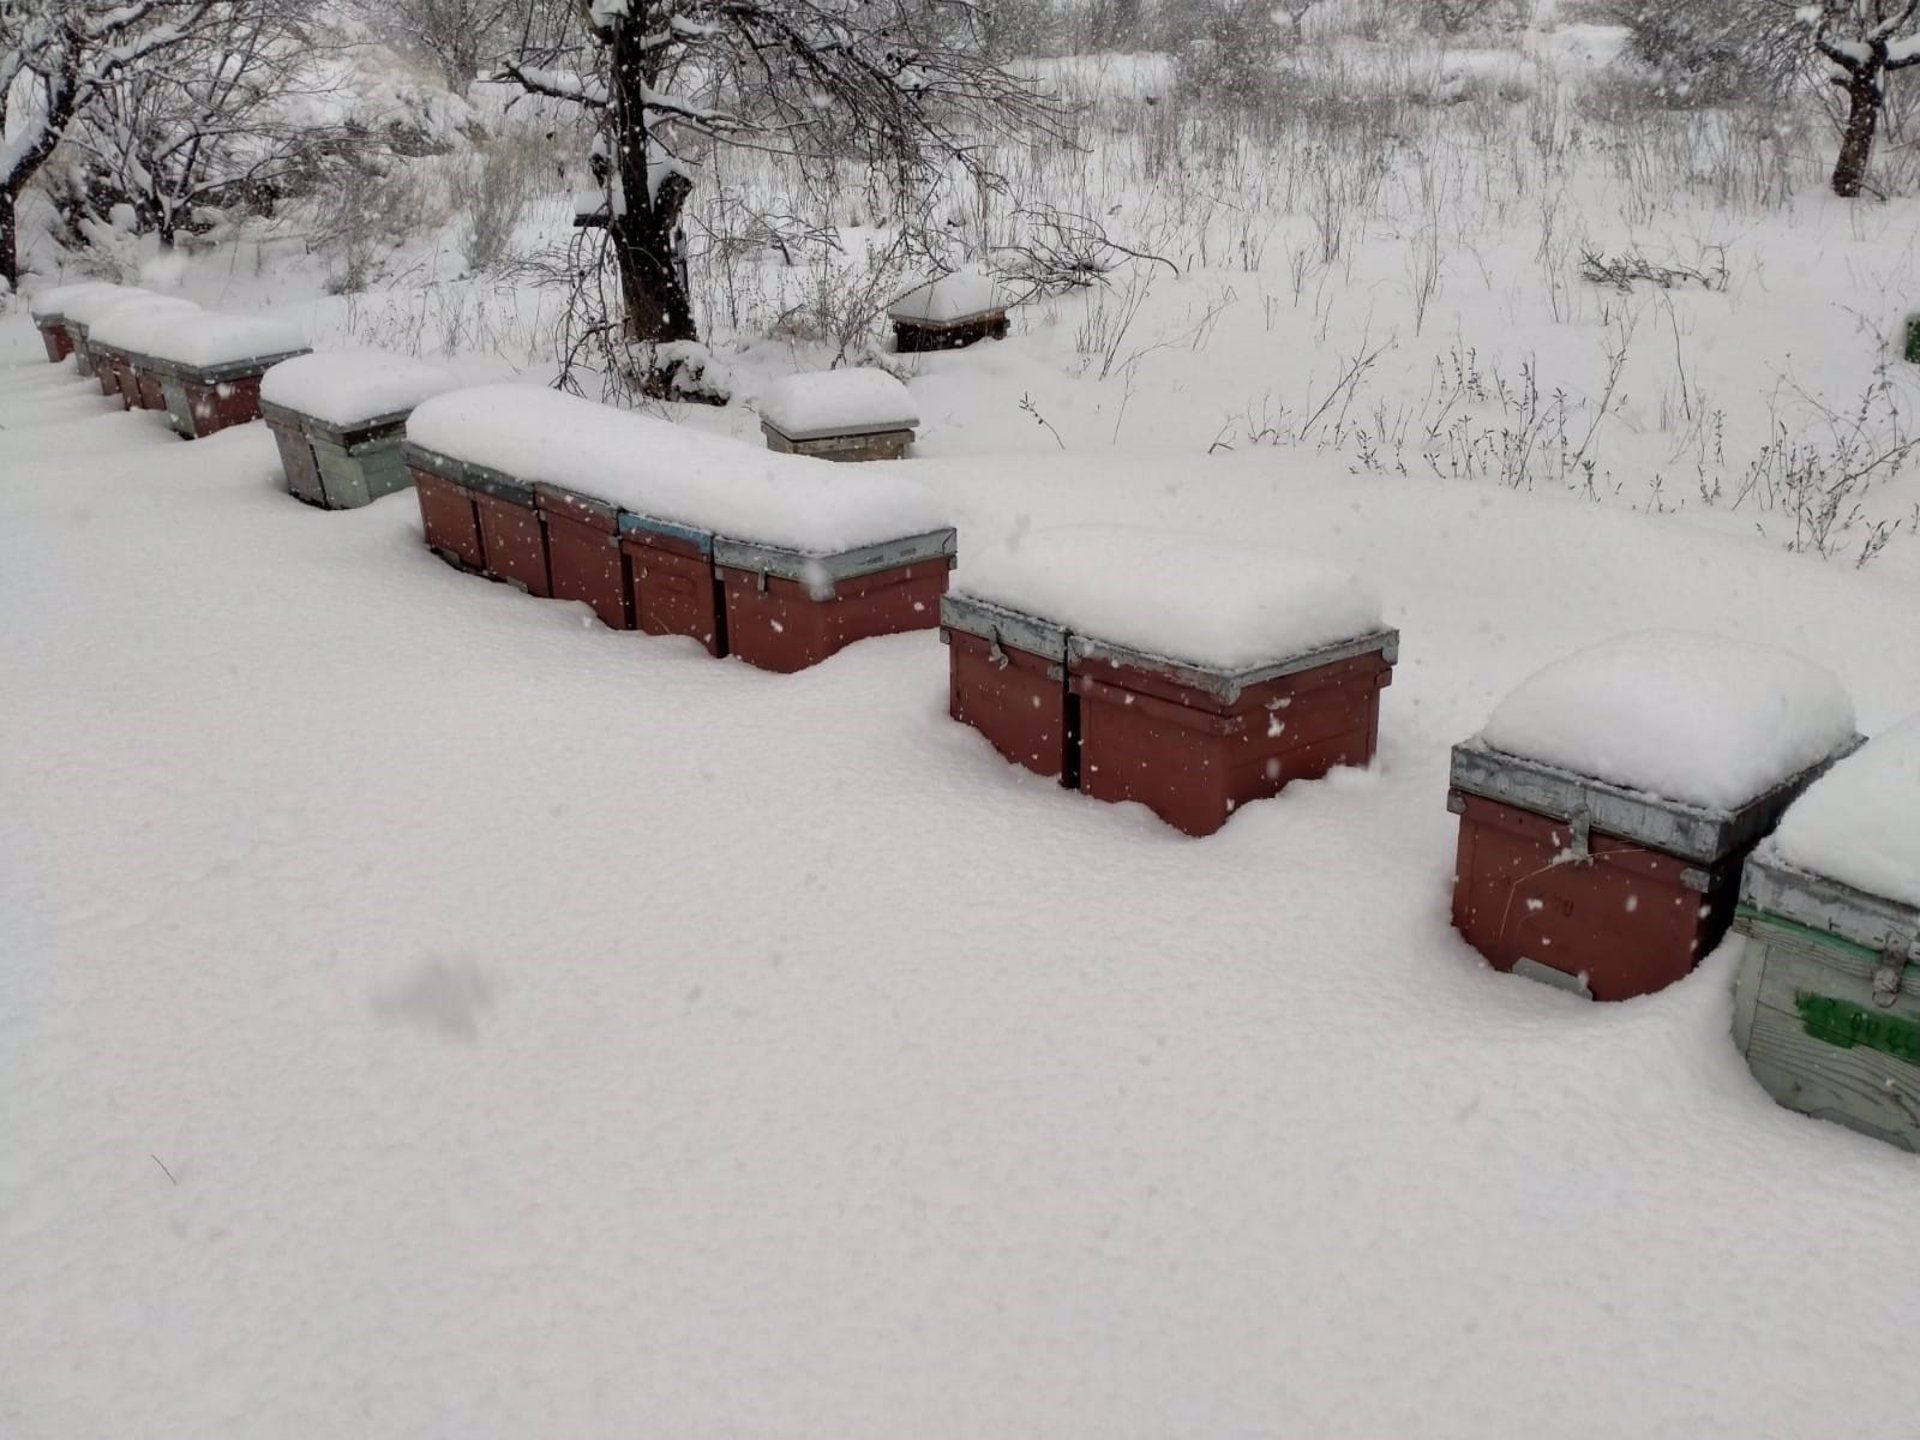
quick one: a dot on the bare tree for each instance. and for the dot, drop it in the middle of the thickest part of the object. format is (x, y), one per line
(1865, 41)
(1453, 16)
(217, 124)
(56, 56)
(904, 84)
(1296, 13)
(460, 37)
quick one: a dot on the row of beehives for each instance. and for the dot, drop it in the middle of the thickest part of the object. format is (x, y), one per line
(1604, 885)
(155, 352)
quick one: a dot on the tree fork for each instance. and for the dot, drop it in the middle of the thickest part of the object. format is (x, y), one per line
(645, 224)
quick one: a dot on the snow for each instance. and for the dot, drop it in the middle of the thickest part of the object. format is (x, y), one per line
(141, 324)
(837, 402)
(206, 340)
(54, 304)
(93, 306)
(1701, 719)
(1200, 599)
(350, 387)
(551, 1031)
(1860, 822)
(652, 467)
(961, 295)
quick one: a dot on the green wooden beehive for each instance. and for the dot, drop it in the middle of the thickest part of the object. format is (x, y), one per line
(340, 420)
(1827, 1001)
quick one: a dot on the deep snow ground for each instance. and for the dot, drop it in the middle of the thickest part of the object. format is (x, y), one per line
(428, 1014)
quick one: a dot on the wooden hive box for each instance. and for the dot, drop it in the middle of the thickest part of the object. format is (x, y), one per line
(673, 586)
(1607, 807)
(339, 421)
(1007, 678)
(584, 558)
(1827, 998)
(788, 609)
(211, 366)
(1599, 889)
(844, 415)
(56, 315)
(448, 515)
(122, 339)
(1195, 743)
(1826, 1003)
(1186, 673)
(949, 312)
(482, 519)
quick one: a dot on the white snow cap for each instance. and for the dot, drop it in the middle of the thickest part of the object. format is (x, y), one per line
(138, 326)
(1695, 718)
(965, 293)
(1186, 597)
(349, 387)
(92, 305)
(204, 340)
(826, 403)
(1860, 822)
(653, 467)
(53, 304)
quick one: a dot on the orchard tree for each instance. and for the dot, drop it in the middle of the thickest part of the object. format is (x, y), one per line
(56, 56)
(459, 37)
(1865, 41)
(223, 120)
(904, 85)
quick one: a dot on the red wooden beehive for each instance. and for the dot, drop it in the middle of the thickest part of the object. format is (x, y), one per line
(448, 514)
(1191, 743)
(787, 610)
(54, 336)
(1195, 744)
(584, 558)
(1007, 678)
(672, 585)
(1598, 889)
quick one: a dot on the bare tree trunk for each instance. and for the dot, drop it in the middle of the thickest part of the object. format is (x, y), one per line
(658, 307)
(1864, 101)
(9, 240)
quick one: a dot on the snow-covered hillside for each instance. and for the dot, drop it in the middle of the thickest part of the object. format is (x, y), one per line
(427, 1012)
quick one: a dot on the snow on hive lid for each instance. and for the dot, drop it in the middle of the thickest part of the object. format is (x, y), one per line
(138, 325)
(351, 387)
(96, 312)
(93, 306)
(829, 403)
(207, 340)
(1186, 598)
(55, 304)
(1699, 719)
(1860, 822)
(652, 467)
(962, 295)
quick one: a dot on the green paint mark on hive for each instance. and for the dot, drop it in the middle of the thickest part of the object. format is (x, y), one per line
(1842, 1023)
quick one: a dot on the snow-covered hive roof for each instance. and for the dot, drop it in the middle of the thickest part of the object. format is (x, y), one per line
(962, 295)
(1699, 719)
(652, 467)
(1860, 822)
(352, 387)
(137, 324)
(205, 341)
(92, 305)
(101, 313)
(57, 303)
(829, 403)
(1188, 598)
